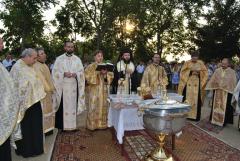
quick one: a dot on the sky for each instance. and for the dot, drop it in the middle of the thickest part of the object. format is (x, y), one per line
(180, 58)
(49, 15)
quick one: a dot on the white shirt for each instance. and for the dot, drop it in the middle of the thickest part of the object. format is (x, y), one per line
(140, 68)
(7, 63)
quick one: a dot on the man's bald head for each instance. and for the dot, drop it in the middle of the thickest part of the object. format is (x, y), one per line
(225, 63)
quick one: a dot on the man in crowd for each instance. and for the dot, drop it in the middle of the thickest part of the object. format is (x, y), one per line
(222, 82)
(155, 76)
(9, 111)
(124, 75)
(168, 71)
(140, 70)
(30, 92)
(47, 104)
(97, 84)
(69, 81)
(7, 62)
(175, 76)
(237, 69)
(193, 78)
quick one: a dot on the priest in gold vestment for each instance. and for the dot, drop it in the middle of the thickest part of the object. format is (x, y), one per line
(47, 103)
(8, 111)
(154, 76)
(98, 88)
(223, 83)
(30, 92)
(193, 78)
(69, 81)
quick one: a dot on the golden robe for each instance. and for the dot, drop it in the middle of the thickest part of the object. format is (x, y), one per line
(71, 90)
(98, 88)
(29, 87)
(8, 105)
(223, 81)
(192, 84)
(47, 103)
(153, 76)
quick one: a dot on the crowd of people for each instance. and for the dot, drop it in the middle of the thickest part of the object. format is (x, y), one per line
(36, 98)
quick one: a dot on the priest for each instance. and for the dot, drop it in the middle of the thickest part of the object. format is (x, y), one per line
(125, 81)
(47, 103)
(193, 78)
(98, 83)
(30, 92)
(154, 76)
(222, 82)
(9, 111)
(69, 81)
(236, 102)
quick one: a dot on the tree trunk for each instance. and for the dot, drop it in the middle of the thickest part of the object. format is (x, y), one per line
(159, 50)
(99, 39)
(83, 53)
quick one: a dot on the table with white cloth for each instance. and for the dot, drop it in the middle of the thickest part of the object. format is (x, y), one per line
(123, 113)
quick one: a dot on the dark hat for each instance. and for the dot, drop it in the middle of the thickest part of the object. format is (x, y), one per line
(125, 50)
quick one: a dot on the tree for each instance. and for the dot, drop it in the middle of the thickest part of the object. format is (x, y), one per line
(166, 23)
(89, 18)
(23, 22)
(220, 37)
(72, 21)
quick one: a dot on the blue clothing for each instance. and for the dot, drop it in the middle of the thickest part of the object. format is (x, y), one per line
(175, 78)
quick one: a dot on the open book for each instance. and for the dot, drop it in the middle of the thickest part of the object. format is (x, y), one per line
(105, 66)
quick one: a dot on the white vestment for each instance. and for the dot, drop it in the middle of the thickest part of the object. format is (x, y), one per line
(8, 105)
(235, 99)
(124, 87)
(71, 90)
(29, 89)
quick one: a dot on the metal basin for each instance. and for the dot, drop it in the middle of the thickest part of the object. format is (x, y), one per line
(165, 118)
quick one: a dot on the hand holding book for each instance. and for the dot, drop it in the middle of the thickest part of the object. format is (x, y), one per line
(104, 71)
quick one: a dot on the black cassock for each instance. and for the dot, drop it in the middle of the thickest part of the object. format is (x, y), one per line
(229, 110)
(118, 75)
(59, 116)
(31, 143)
(5, 151)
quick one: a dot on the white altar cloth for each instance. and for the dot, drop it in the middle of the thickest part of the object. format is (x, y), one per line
(123, 113)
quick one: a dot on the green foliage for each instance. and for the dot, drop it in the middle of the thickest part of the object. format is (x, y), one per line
(220, 37)
(71, 20)
(23, 22)
(162, 26)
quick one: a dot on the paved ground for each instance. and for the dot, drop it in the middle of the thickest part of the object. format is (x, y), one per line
(49, 143)
(229, 135)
